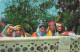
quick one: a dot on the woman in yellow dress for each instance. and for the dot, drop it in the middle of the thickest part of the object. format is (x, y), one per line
(51, 28)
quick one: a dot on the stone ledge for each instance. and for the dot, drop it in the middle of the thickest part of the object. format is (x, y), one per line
(33, 38)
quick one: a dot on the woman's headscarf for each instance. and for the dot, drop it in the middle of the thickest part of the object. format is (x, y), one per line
(20, 27)
(4, 30)
(38, 30)
(60, 24)
(51, 22)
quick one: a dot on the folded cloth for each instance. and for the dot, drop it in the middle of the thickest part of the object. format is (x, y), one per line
(72, 35)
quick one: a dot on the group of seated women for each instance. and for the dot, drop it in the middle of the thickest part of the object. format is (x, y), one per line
(53, 29)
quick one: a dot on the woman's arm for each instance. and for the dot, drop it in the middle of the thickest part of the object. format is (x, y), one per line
(63, 35)
(47, 30)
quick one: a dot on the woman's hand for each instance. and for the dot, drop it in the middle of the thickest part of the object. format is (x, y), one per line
(27, 34)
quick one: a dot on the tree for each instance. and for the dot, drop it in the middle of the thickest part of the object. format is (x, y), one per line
(26, 14)
(70, 15)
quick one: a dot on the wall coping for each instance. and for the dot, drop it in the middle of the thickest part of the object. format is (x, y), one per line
(32, 38)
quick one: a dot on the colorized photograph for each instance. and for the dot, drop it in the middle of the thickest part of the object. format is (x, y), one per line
(39, 25)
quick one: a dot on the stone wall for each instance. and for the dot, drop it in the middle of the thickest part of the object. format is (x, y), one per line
(40, 44)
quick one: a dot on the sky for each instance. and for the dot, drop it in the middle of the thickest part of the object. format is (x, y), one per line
(2, 7)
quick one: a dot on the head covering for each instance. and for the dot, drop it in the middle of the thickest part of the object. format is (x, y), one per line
(41, 25)
(60, 24)
(51, 22)
(7, 26)
(19, 27)
(38, 30)
(4, 30)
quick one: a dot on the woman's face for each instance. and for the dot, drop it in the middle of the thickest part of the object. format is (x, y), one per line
(59, 28)
(52, 27)
(9, 31)
(18, 32)
(42, 29)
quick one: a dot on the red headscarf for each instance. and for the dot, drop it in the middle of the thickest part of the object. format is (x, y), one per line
(51, 22)
(22, 31)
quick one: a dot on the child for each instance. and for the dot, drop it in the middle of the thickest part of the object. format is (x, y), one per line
(41, 31)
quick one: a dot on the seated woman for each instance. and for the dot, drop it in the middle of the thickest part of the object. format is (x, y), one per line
(41, 31)
(7, 31)
(19, 31)
(61, 31)
(51, 28)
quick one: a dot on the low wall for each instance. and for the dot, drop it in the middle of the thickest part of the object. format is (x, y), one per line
(40, 44)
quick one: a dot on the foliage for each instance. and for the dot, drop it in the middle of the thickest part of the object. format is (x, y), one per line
(30, 15)
(70, 20)
(24, 14)
(1, 27)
